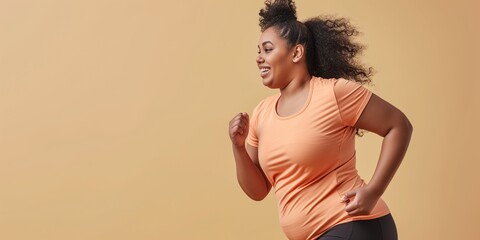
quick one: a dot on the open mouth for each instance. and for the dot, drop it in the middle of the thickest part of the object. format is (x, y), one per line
(264, 71)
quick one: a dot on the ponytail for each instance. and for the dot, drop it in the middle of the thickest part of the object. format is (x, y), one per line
(334, 51)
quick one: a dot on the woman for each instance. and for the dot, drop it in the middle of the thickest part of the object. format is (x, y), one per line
(301, 140)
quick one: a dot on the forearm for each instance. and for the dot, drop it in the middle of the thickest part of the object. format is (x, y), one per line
(394, 147)
(249, 176)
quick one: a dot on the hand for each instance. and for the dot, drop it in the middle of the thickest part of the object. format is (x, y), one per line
(363, 202)
(238, 129)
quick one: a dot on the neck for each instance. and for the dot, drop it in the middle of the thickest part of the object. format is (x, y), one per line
(298, 84)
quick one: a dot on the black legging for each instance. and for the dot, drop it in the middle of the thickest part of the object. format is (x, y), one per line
(382, 228)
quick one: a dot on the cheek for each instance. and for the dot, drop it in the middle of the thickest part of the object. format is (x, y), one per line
(282, 66)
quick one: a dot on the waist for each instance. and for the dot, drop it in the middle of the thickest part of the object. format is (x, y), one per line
(306, 213)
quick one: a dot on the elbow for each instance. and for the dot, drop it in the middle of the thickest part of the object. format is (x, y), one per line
(410, 129)
(257, 197)
(254, 193)
(409, 126)
(405, 128)
(403, 124)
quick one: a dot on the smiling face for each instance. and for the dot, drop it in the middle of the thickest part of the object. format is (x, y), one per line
(274, 59)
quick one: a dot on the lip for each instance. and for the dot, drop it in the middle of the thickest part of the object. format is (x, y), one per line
(263, 66)
(264, 74)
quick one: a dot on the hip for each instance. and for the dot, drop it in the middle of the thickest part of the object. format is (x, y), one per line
(381, 228)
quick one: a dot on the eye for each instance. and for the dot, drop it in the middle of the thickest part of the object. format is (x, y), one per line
(266, 50)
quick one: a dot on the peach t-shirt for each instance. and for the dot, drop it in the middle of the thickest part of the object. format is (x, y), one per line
(309, 157)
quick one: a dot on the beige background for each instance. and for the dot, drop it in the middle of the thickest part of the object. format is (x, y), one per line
(114, 115)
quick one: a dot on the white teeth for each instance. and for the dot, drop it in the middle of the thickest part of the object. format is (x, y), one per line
(264, 70)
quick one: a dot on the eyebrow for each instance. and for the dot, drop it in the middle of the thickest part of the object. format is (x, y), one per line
(265, 43)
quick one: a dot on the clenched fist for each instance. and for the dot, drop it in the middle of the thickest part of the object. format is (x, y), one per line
(238, 129)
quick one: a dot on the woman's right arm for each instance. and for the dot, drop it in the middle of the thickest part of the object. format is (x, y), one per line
(249, 174)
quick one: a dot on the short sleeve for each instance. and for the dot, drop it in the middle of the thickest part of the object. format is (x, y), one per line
(351, 98)
(252, 137)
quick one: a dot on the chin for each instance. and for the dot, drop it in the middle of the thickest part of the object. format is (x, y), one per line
(267, 82)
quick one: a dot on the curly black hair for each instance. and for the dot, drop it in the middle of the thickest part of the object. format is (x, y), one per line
(329, 48)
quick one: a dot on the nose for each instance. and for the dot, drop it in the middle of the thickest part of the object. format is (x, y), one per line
(259, 59)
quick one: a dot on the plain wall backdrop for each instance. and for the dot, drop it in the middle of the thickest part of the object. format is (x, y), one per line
(114, 116)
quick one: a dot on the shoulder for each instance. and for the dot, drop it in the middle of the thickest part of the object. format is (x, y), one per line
(341, 87)
(328, 82)
(343, 82)
(266, 103)
(336, 82)
(333, 81)
(345, 86)
(260, 111)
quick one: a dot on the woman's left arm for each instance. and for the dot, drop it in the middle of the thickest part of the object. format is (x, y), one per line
(387, 121)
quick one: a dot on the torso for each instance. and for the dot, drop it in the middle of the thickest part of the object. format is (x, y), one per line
(308, 155)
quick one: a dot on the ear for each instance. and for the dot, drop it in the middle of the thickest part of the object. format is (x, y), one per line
(298, 53)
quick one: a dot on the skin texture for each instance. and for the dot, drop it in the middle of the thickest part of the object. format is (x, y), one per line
(249, 174)
(288, 69)
(289, 74)
(387, 121)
